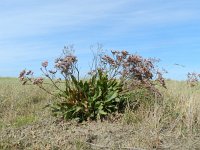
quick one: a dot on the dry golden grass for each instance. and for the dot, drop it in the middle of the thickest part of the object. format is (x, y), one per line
(173, 123)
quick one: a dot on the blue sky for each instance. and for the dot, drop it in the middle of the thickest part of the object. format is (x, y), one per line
(33, 30)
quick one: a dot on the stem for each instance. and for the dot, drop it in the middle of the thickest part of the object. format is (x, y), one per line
(47, 75)
(40, 86)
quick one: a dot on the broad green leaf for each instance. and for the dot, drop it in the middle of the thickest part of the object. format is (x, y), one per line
(102, 112)
(78, 108)
(111, 96)
(74, 80)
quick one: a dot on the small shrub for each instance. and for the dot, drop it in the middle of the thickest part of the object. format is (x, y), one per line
(113, 80)
(89, 99)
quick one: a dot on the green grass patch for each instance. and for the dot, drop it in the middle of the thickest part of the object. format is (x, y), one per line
(24, 120)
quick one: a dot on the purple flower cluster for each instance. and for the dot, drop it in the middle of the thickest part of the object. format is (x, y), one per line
(65, 64)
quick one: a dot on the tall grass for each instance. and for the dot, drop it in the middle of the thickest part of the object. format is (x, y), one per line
(20, 105)
(173, 124)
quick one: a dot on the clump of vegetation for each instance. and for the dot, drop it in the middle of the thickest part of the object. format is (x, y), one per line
(110, 84)
(193, 79)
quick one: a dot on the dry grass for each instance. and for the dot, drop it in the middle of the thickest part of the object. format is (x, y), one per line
(24, 124)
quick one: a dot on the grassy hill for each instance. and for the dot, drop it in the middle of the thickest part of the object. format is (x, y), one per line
(174, 123)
